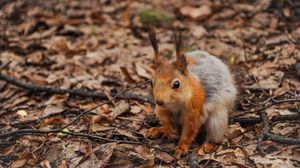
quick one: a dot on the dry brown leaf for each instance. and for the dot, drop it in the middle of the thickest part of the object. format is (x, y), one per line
(198, 31)
(121, 108)
(104, 152)
(34, 58)
(51, 109)
(45, 164)
(128, 77)
(101, 128)
(164, 156)
(239, 153)
(18, 163)
(53, 121)
(57, 99)
(63, 164)
(127, 134)
(87, 154)
(19, 100)
(197, 14)
(135, 109)
(234, 131)
(36, 79)
(141, 71)
(101, 117)
(225, 151)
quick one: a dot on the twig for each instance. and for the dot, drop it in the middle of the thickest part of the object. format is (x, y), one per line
(265, 130)
(265, 133)
(74, 92)
(209, 159)
(106, 102)
(39, 120)
(275, 102)
(77, 134)
(262, 89)
(79, 92)
(255, 120)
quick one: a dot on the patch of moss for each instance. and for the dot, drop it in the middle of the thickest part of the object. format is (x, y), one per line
(155, 17)
(170, 54)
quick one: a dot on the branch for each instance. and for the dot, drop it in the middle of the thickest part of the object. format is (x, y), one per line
(265, 133)
(255, 120)
(93, 137)
(79, 92)
(74, 92)
(106, 102)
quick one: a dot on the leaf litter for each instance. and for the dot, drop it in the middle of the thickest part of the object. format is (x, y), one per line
(102, 46)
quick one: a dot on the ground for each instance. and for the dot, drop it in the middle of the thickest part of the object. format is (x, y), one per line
(89, 51)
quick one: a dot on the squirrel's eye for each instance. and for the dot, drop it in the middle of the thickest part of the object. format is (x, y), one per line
(176, 84)
(151, 83)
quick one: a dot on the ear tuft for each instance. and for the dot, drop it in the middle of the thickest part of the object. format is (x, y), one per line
(154, 43)
(181, 62)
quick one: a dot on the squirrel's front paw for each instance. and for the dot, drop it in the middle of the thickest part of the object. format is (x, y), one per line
(181, 150)
(157, 132)
(154, 132)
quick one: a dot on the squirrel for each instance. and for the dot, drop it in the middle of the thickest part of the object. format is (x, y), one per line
(196, 90)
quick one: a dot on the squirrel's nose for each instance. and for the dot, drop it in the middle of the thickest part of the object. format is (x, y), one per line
(160, 102)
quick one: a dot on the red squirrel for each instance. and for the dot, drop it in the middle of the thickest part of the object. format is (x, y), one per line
(195, 90)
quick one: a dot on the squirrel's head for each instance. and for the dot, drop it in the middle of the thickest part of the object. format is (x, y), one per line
(171, 82)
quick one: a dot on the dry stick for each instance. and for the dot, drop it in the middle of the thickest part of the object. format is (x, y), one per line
(266, 129)
(275, 102)
(75, 92)
(78, 92)
(255, 120)
(265, 133)
(90, 136)
(106, 102)
(262, 89)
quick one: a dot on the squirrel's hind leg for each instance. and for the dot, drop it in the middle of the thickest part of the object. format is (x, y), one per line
(216, 126)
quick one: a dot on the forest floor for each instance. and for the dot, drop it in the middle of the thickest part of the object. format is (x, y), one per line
(74, 88)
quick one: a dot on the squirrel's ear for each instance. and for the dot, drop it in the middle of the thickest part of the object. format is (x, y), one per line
(154, 43)
(181, 62)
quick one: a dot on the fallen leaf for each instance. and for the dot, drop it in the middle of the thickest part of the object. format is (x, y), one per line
(135, 109)
(53, 121)
(164, 156)
(102, 117)
(121, 108)
(45, 164)
(197, 14)
(141, 71)
(198, 31)
(128, 77)
(88, 152)
(18, 163)
(63, 164)
(225, 151)
(239, 153)
(104, 153)
(127, 134)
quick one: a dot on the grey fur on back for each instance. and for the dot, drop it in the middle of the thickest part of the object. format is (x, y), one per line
(214, 76)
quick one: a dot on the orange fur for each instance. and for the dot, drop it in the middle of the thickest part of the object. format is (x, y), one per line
(191, 61)
(191, 118)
